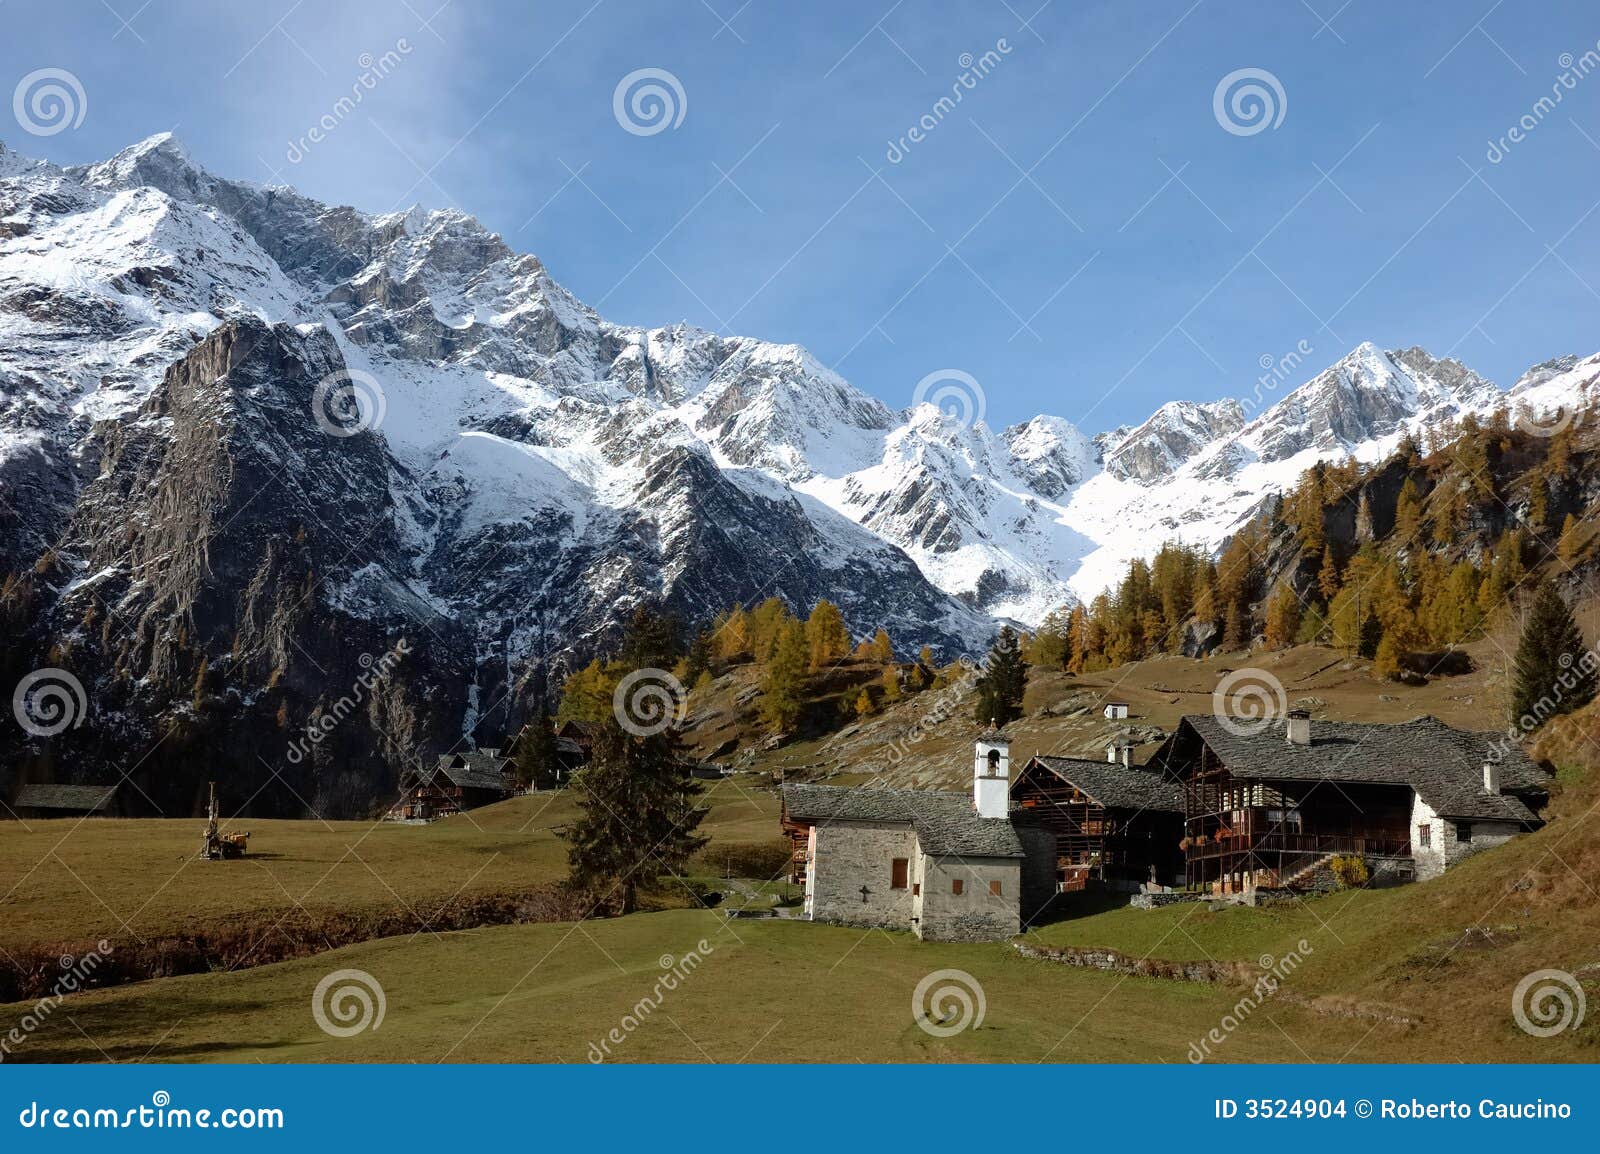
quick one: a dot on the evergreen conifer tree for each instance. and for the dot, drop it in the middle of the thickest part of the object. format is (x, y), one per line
(1553, 672)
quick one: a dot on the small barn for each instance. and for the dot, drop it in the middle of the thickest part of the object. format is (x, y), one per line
(1115, 711)
(47, 800)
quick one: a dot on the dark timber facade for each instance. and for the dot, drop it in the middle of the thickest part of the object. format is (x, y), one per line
(1269, 804)
(1115, 824)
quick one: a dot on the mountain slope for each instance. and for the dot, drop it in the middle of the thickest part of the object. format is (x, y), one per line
(212, 393)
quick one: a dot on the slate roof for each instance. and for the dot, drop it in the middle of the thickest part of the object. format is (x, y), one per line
(945, 823)
(1444, 765)
(476, 769)
(77, 798)
(1117, 786)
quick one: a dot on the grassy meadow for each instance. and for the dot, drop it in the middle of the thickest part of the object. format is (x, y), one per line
(1420, 972)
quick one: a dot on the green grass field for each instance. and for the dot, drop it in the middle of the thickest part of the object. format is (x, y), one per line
(69, 881)
(1421, 972)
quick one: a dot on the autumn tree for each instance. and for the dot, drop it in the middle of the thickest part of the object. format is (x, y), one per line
(882, 647)
(1283, 618)
(784, 677)
(827, 638)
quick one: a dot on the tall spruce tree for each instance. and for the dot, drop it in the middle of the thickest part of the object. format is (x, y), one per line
(538, 764)
(1553, 673)
(1002, 682)
(640, 813)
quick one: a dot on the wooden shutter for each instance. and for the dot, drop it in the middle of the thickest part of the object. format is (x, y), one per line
(899, 870)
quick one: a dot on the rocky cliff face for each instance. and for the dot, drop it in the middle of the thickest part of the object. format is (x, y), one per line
(247, 438)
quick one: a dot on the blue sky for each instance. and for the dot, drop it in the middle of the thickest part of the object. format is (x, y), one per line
(1080, 233)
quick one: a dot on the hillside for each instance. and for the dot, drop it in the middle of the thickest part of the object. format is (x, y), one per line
(247, 438)
(1424, 972)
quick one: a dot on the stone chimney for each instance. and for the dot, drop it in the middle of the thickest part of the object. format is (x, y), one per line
(1491, 777)
(991, 774)
(1297, 727)
(1111, 753)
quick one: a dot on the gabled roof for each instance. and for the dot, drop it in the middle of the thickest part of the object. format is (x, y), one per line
(475, 769)
(945, 823)
(1117, 786)
(77, 798)
(1442, 764)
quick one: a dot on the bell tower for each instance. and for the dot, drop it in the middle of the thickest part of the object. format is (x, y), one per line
(991, 774)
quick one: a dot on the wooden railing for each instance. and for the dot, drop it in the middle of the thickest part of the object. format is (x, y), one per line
(1304, 843)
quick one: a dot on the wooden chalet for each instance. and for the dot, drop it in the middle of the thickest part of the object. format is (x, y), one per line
(574, 745)
(1116, 825)
(455, 783)
(1270, 804)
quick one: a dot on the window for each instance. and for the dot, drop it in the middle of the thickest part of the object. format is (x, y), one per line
(955, 886)
(916, 889)
(994, 761)
(1425, 836)
(897, 876)
(1463, 831)
(994, 887)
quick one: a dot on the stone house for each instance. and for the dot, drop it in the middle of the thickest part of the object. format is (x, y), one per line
(1270, 804)
(946, 866)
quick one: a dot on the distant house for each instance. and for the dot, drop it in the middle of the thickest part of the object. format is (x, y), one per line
(1270, 805)
(455, 783)
(1115, 711)
(48, 800)
(1116, 825)
(574, 745)
(946, 866)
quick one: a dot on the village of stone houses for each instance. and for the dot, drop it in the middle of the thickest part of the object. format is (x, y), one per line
(767, 839)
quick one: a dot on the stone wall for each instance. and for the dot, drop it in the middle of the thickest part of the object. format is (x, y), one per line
(1447, 848)
(1038, 869)
(849, 855)
(975, 914)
